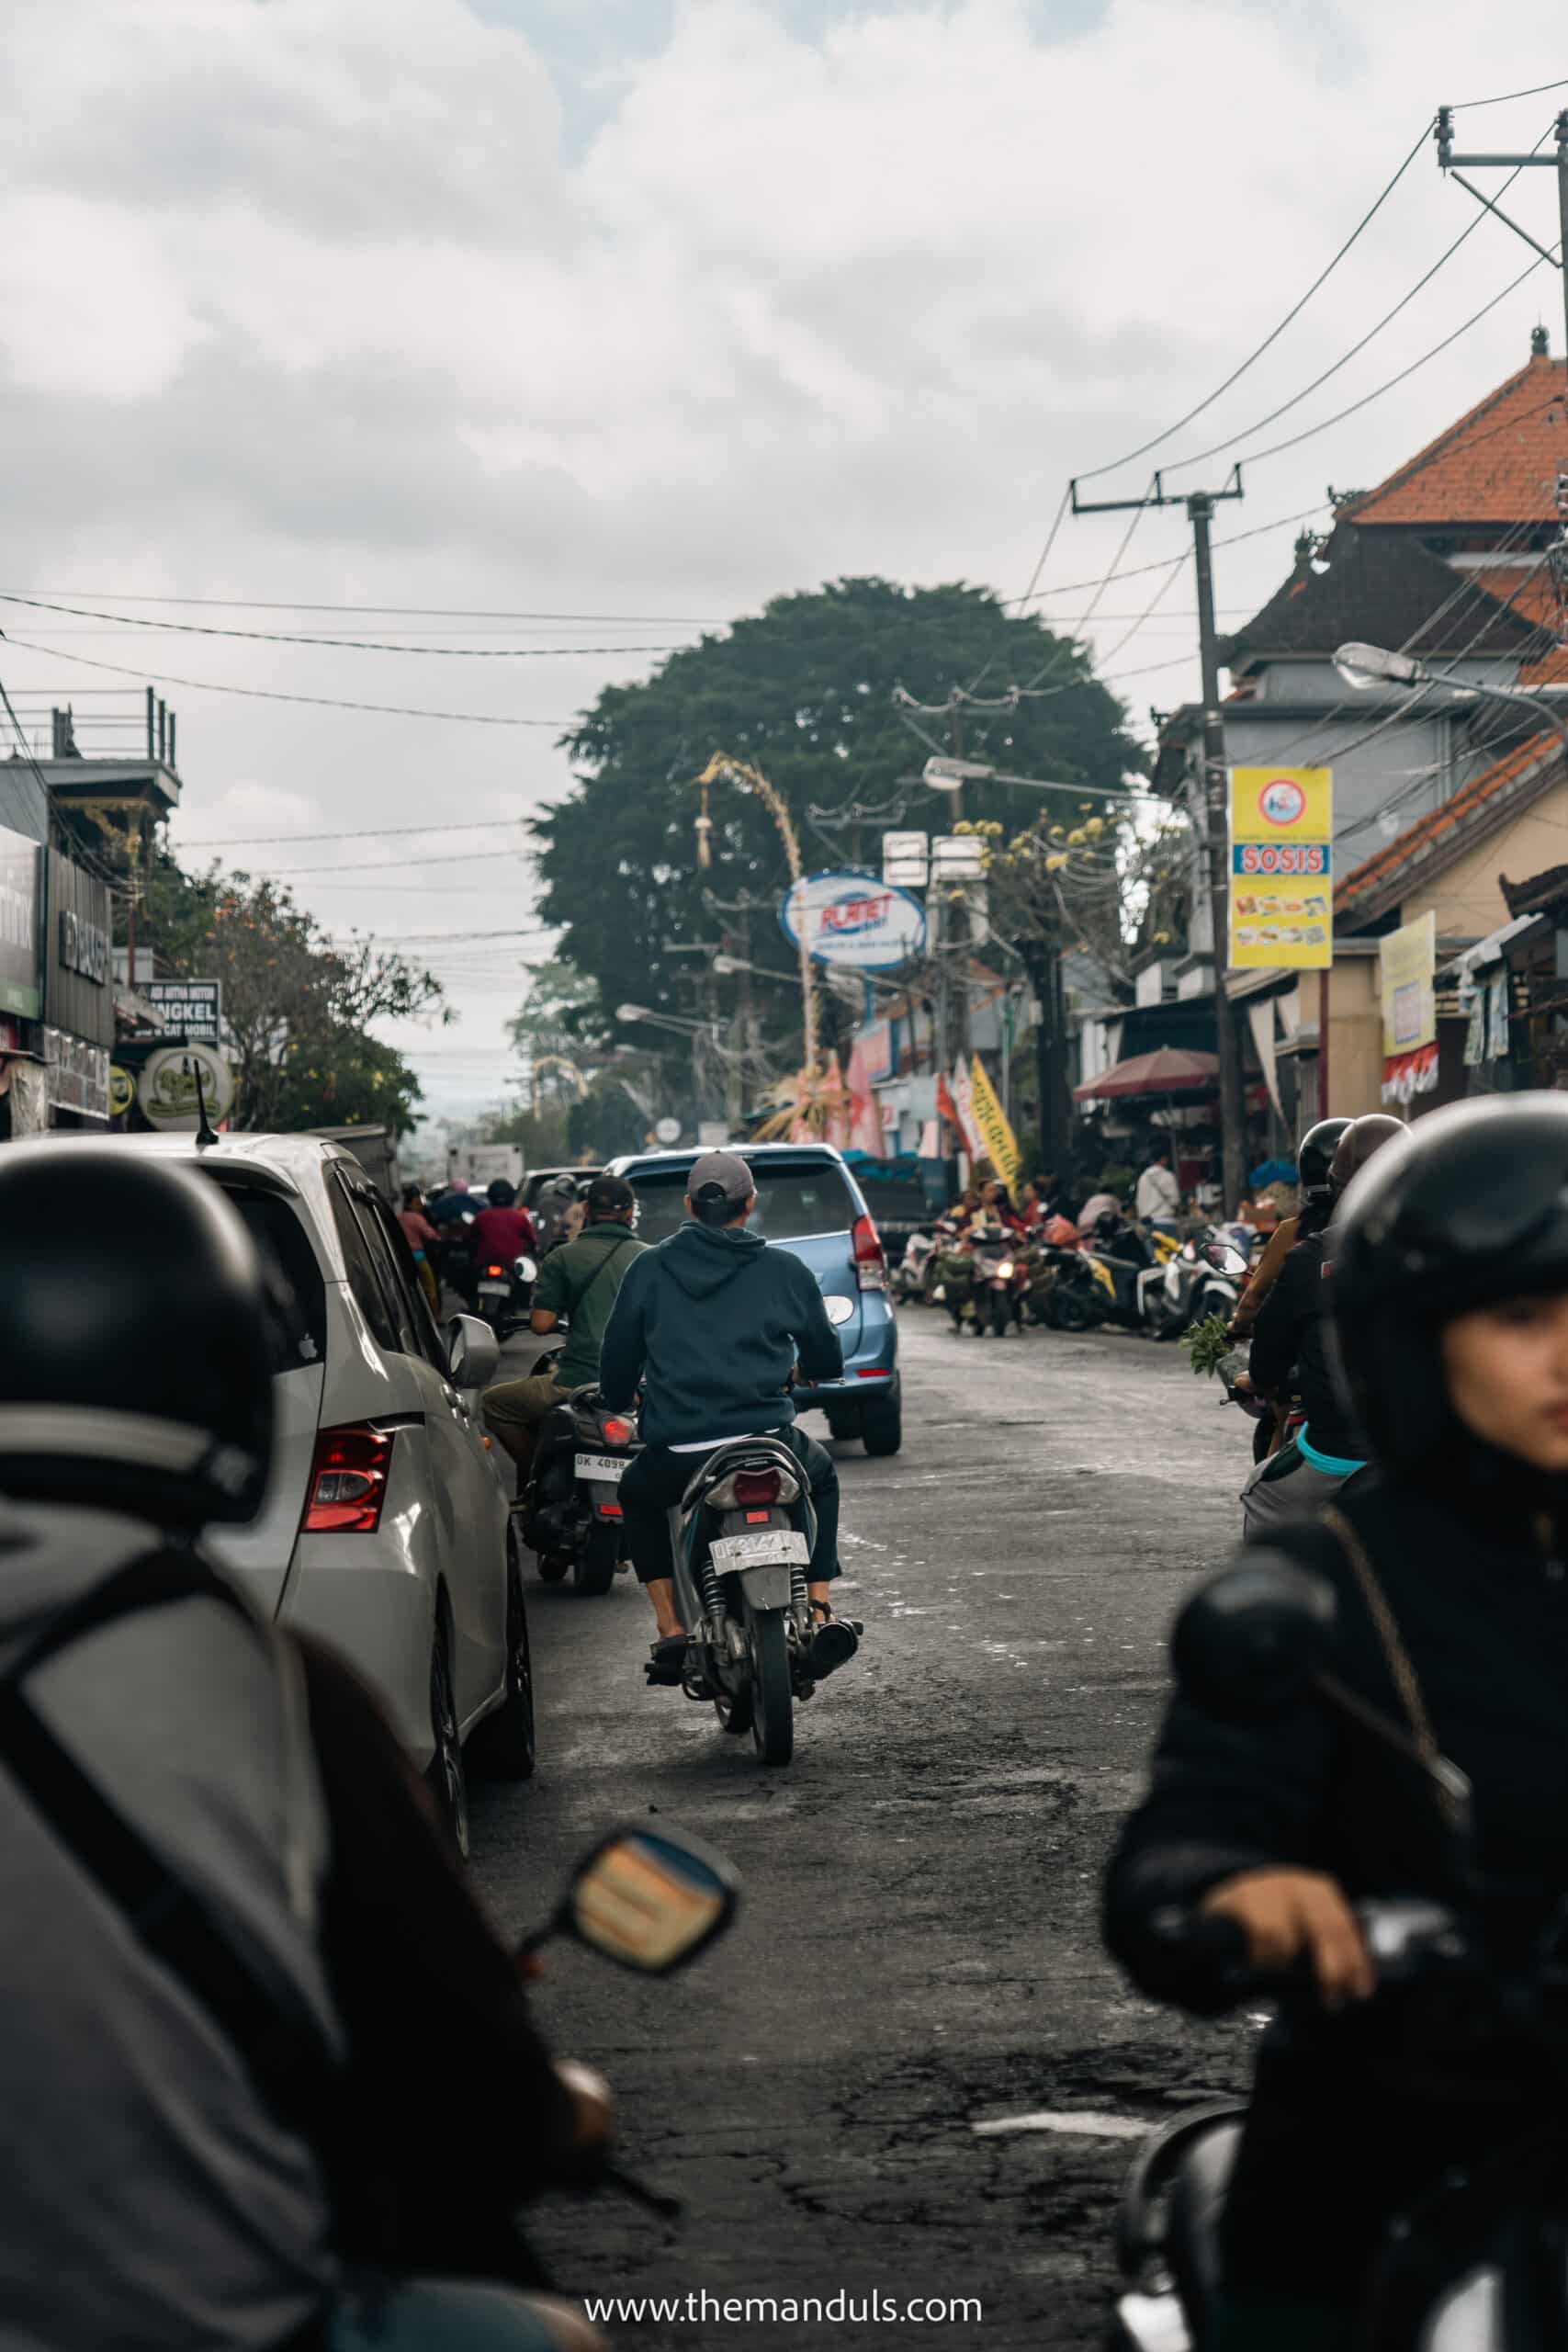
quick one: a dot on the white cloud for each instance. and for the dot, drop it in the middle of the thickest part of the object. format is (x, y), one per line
(313, 299)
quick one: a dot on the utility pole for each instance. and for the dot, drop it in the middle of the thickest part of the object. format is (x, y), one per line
(1448, 161)
(961, 908)
(1199, 505)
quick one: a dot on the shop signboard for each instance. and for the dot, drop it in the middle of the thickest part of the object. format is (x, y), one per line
(193, 1009)
(1281, 883)
(167, 1089)
(853, 921)
(21, 942)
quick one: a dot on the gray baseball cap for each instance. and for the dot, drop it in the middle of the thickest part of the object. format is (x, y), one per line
(725, 1168)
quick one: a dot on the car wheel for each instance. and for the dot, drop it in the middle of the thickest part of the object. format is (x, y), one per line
(448, 1779)
(504, 1743)
(881, 1424)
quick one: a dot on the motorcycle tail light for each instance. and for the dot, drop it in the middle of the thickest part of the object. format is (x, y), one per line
(871, 1259)
(757, 1486)
(348, 1480)
(616, 1432)
(496, 1270)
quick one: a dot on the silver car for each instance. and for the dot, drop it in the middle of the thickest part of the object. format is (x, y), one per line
(386, 1527)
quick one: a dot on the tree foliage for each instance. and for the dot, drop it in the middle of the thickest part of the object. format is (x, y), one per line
(806, 691)
(297, 1005)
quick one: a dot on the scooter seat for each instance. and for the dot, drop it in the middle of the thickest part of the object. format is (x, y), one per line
(1198, 2193)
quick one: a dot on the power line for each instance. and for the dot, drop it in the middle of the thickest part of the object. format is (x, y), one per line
(340, 644)
(1095, 472)
(1256, 456)
(1507, 96)
(389, 864)
(271, 694)
(1141, 570)
(356, 833)
(1201, 457)
(423, 612)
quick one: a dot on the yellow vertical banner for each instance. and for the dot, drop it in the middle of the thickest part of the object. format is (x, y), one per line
(996, 1132)
(1281, 880)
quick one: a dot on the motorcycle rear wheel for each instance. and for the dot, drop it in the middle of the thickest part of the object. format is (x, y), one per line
(593, 1570)
(772, 1700)
(1001, 1313)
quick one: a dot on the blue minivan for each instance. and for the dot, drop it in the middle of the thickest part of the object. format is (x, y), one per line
(808, 1202)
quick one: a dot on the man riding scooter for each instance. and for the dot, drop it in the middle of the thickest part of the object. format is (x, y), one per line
(581, 1280)
(225, 1904)
(712, 1323)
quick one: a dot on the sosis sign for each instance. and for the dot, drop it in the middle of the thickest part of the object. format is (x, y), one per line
(852, 919)
(1281, 879)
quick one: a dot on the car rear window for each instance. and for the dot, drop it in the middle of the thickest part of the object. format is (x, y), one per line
(795, 1200)
(298, 1293)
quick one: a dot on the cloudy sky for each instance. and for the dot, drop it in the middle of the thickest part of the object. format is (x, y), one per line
(536, 324)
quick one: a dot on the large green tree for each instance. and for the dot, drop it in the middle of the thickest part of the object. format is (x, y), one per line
(805, 690)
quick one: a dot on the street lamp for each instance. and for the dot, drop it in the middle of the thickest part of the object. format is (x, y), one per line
(662, 1020)
(943, 775)
(1373, 665)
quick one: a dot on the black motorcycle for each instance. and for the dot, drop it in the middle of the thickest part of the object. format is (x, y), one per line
(572, 1520)
(503, 1293)
(1477, 2264)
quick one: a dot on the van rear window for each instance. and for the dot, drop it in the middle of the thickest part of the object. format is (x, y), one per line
(294, 1279)
(794, 1201)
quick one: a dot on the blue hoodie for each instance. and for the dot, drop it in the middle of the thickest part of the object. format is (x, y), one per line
(712, 1322)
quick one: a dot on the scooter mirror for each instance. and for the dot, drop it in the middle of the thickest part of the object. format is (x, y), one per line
(649, 1899)
(1223, 1258)
(1250, 1640)
(526, 1269)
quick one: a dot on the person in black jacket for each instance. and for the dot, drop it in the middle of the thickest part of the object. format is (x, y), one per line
(273, 2062)
(713, 1323)
(1289, 1353)
(1451, 1302)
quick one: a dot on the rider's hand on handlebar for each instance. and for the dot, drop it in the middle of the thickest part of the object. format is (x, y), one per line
(1288, 1915)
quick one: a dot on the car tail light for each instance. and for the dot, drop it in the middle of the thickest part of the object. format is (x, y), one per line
(348, 1480)
(874, 1373)
(757, 1486)
(871, 1259)
(616, 1432)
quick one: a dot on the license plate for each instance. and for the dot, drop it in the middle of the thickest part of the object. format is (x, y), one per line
(612, 1466)
(495, 1290)
(769, 1544)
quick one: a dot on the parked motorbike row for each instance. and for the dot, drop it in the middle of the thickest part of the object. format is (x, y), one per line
(991, 1279)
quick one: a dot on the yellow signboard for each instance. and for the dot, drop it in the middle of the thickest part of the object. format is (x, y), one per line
(1281, 883)
(996, 1132)
(1408, 959)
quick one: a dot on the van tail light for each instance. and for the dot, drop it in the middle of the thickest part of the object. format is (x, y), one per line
(348, 1480)
(871, 1259)
(616, 1432)
(756, 1486)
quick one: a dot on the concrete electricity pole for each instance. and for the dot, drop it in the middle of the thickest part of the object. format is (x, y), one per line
(1448, 161)
(1199, 505)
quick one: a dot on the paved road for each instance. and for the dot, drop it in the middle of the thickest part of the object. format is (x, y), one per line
(917, 1949)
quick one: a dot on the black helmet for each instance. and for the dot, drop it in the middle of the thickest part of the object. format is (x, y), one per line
(135, 1369)
(499, 1193)
(1316, 1153)
(1472, 1209)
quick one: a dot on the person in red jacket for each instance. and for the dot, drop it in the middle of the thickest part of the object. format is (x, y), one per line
(504, 1231)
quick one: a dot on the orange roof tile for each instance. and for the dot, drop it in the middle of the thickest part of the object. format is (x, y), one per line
(1384, 863)
(1498, 464)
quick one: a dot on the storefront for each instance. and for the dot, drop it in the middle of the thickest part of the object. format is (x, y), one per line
(22, 1104)
(78, 1032)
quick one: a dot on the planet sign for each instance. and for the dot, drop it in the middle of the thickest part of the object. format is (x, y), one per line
(853, 919)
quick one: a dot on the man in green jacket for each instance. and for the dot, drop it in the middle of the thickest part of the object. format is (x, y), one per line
(580, 1279)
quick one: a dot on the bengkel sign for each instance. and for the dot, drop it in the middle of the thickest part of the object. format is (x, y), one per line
(853, 919)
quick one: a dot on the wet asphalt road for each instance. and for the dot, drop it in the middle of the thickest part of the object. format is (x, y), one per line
(917, 1951)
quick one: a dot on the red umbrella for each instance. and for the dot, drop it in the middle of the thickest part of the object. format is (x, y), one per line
(1169, 1069)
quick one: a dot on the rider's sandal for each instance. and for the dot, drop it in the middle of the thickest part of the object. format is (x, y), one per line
(666, 1666)
(835, 1641)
